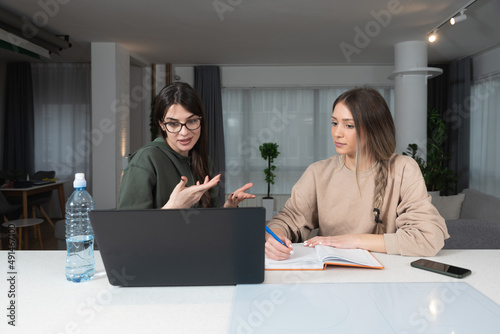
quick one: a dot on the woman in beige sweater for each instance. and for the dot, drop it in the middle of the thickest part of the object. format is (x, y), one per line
(366, 196)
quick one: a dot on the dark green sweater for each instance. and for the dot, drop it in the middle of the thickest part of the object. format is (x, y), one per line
(152, 174)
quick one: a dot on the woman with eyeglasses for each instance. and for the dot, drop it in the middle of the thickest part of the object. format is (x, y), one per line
(173, 170)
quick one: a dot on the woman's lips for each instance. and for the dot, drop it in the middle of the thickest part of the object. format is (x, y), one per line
(185, 141)
(337, 144)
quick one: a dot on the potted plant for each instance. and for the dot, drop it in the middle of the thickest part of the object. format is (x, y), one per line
(437, 176)
(269, 152)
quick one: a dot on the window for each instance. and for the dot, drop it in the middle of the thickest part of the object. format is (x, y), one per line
(484, 137)
(63, 136)
(297, 119)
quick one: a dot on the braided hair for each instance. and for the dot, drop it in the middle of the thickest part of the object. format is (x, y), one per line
(373, 118)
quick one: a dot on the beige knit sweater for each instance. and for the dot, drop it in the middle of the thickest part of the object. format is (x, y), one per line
(329, 197)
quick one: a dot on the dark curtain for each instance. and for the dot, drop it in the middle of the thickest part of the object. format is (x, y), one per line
(437, 92)
(19, 119)
(458, 118)
(449, 93)
(208, 85)
(437, 99)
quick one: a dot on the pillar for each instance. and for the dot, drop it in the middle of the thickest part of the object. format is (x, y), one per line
(110, 120)
(410, 94)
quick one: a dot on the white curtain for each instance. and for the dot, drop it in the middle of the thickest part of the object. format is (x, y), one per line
(297, 119)
(484, 137)
(62, 100)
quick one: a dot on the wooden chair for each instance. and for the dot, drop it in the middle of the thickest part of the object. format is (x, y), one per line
(36, 201)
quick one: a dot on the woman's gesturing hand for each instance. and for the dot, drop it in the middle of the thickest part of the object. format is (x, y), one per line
(238, 196)
(186, 197)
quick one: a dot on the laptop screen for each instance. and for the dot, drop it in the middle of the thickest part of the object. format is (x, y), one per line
(213, 246)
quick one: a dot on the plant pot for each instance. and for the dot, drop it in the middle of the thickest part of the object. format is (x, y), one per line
(268, 204)
(434, 193)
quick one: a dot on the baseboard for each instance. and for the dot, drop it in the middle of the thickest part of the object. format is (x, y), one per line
(279, 201)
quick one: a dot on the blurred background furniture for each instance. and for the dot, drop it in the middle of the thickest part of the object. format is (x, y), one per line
(37, 200)
(20, 224)
(7, 208)
(472, 218)
(25, 192)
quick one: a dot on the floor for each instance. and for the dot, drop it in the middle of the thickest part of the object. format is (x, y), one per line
(47, 231)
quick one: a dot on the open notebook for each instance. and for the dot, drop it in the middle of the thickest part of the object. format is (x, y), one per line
(317, 258)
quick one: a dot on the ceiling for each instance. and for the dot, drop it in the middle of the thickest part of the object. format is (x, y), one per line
(263, 32)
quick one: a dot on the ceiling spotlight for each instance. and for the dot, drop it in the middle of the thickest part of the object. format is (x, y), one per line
(433, 36)
(458, 18)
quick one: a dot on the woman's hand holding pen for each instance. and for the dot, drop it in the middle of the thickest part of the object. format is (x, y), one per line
(186, 197)
(275, 249)
(238, 196)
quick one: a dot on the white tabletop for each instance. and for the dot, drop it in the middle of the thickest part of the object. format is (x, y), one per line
(46, 303)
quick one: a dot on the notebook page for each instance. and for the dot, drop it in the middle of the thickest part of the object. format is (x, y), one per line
(302, 258)
(346, 256)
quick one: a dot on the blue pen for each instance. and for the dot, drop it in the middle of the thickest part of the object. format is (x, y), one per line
(274, 235)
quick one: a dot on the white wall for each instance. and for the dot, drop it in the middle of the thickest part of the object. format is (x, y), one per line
(486, 63)
(295, 76)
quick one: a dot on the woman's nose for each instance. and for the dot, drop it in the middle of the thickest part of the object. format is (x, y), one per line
(338, 132)
(184, 130)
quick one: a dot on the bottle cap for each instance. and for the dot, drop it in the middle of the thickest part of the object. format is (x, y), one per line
(79, 181)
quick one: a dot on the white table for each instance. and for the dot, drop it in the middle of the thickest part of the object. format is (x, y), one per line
(47, 303)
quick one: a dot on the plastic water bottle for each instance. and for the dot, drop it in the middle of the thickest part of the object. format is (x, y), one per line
(80, 263)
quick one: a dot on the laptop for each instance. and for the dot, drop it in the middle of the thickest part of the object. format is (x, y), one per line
(210, 246)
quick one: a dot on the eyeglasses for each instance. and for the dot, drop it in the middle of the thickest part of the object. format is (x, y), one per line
(175, 127)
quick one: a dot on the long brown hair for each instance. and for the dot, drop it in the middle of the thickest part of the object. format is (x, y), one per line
(374, 120)
(183, 94)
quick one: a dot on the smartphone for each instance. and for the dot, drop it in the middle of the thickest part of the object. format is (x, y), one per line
(441, 268)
